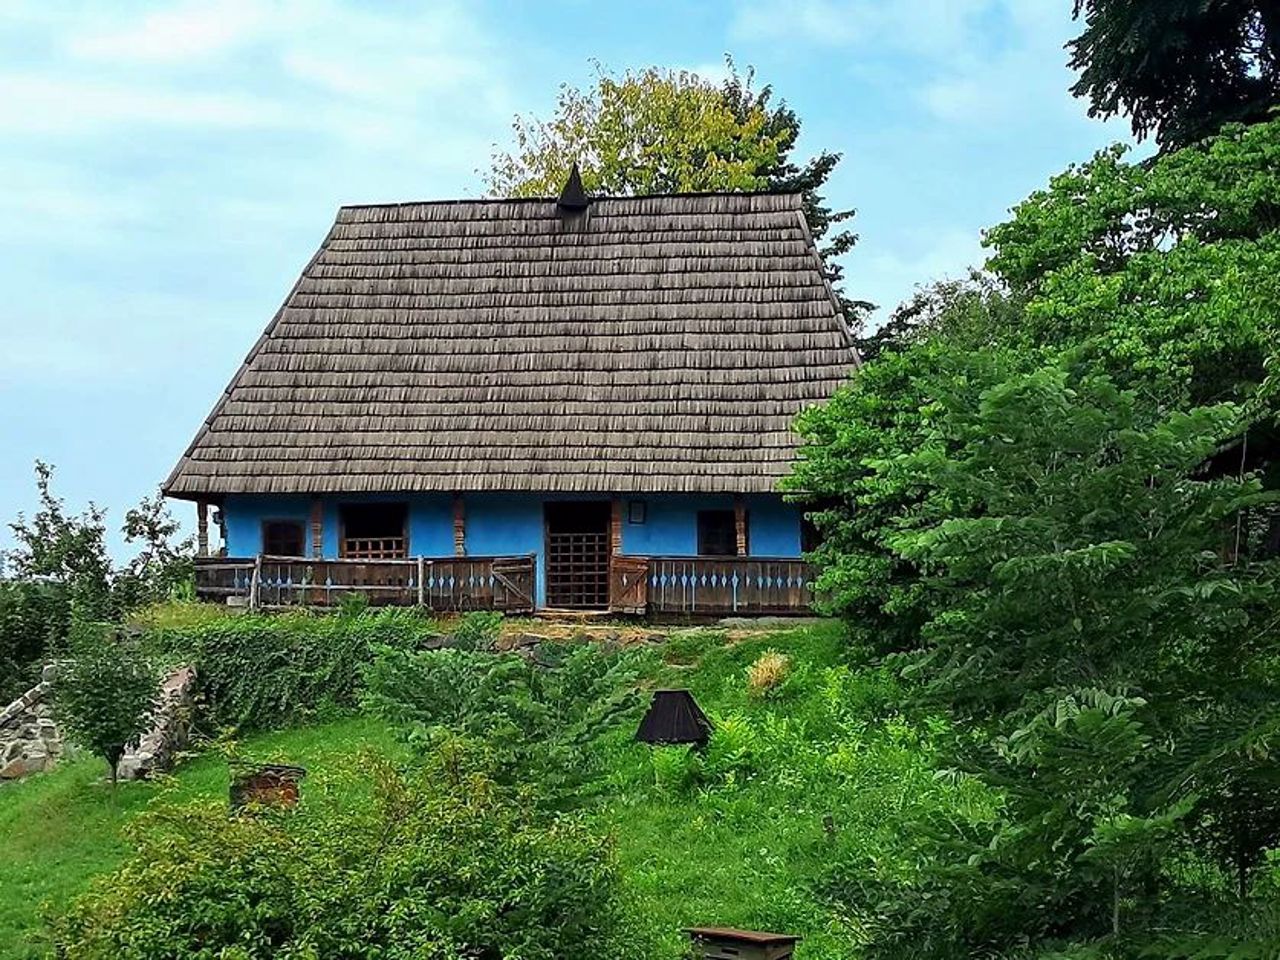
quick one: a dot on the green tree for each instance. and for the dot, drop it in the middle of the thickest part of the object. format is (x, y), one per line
(1166, 274)
(106, 694)
(646, 131)
(1180, 69)
(671, 131)
(1049, 505)
(63, 547)
(163, 565)
(1109, 661)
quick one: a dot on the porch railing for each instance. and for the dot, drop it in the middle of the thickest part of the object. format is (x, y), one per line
(694, 586)
(437, 583)
(726, 586)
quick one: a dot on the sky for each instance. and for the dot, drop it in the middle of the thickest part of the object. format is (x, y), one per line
(167, 169)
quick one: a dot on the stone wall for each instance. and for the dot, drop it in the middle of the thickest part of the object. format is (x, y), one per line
(29, 737)
(170, 731)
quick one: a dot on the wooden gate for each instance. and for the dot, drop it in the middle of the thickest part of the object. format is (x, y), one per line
(628, 584)
(514, 578)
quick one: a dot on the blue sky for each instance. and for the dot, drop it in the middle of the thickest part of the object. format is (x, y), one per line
(167, 169)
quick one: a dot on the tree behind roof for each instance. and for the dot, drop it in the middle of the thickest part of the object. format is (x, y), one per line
(672, 131)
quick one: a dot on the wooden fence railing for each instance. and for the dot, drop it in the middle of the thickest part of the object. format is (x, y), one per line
(695, 586)
(729, 585)
(437, 583)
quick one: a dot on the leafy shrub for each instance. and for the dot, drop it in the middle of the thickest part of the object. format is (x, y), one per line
(767, 672)
(478, 630)
(732, 749)
(675, 769)
(264, 670)
(539, 717)
(34, 620)
(439, 864)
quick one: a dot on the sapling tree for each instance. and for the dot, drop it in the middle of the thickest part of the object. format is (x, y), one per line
(106, 695)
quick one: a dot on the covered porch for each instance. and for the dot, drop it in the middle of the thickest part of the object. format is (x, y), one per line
(692, 586)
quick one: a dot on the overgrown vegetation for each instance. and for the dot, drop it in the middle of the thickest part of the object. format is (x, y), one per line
(792, 785)
(536, 720)
(259, 671)
(59, 573)
(438, 863)
(1051, 506)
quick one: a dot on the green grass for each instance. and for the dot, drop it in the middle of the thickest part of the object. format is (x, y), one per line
(58, 830)
(832, 773)
(821, 773)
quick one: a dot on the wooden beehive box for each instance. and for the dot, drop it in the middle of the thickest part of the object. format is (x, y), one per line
(723, 943)
(264, 784)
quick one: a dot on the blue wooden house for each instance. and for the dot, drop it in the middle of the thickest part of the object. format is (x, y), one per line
(583, 403)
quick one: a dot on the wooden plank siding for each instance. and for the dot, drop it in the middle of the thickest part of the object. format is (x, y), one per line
(683, 586)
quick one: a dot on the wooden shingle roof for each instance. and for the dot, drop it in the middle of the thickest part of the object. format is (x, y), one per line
(647, 344)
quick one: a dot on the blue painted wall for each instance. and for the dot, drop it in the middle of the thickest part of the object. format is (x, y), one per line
(510, 523)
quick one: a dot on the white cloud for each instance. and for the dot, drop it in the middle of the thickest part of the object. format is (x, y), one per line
(887, 275)
(178, 34)
(54, 104)
(368, 77)
(925, 27)
(972, 61)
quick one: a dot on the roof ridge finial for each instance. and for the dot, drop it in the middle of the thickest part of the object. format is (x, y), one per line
(573, 196)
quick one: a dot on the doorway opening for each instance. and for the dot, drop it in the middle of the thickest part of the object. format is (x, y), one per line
(578, 554)
(374, 531)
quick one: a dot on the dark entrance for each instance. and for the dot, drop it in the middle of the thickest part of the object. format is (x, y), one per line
(374, 531)
(578, 555)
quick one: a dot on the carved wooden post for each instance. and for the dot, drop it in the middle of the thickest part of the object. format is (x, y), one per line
(740, 524)
(317, 527)
(459, 526)
(255, 584)
(615, 527)
(202, 528)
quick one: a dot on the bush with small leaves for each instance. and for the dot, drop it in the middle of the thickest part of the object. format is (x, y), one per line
(265, 670)
(439, 864)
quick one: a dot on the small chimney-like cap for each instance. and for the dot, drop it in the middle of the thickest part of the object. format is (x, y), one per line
(573, 197)
(674, 717)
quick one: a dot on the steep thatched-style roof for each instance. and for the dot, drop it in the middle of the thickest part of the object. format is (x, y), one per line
(650, 344)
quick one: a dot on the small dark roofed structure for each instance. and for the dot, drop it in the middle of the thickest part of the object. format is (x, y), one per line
(573, 197)
(725, 943)
(674, 717)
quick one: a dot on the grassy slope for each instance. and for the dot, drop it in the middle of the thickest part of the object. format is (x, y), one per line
(716, 854)
(830, 775)
(60, 829)
(825, 776)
